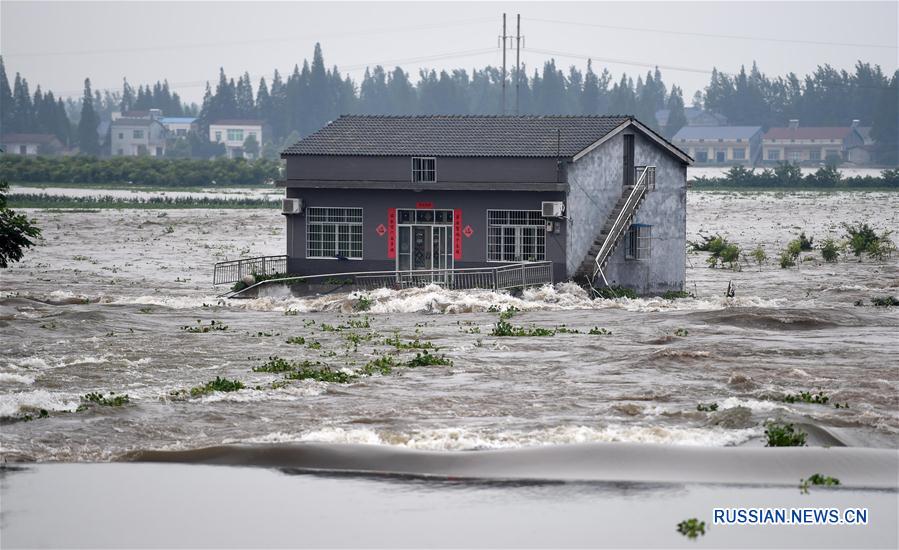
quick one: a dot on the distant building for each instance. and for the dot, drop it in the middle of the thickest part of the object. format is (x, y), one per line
(720, 144)
(31, 144)
(810, 144)
(233, 134)
(137, 136)
(695, 117)
(179, 126)
(861, 154)
(148, 114)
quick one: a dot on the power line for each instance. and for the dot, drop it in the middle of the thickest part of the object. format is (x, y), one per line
(725, 36)
(317, 36)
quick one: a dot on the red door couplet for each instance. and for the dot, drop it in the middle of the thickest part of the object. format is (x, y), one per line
(457, 234)
(391, 232)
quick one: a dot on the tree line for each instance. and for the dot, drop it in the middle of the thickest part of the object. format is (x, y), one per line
(312, 94)
(138, 171)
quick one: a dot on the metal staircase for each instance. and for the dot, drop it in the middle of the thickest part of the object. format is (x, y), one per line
(619, 220)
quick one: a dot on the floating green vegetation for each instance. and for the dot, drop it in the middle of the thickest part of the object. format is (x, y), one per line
(723, 252)
(613, 292)
(830, 250)
(787, 259)
(681, 332)
(691, 528)
(314, 345)
(265, 334)
(43, 413)
(505, 328)
(308, 323)
(363, 303)
(337, 281)
(784, 435)
(275, 364)
(291, 312)
(297, 340)
(383, 364)
(329, 328)
(817, 479)
(509, 311)
(707, 407)
(412, 344)
(305, 371)
(425, 359)
(364, 322)
(49, 326)
(676, 295)
(841, 405)
(562, 329)
(201, 328)
(885, 301)
(863, 239)
(146, 309)
(219, 384)
(112, 401)
(807, 397)
(44, 200)
(599, 331)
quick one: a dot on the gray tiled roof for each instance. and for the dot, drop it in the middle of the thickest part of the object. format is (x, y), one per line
(457, 136)
(717, 132)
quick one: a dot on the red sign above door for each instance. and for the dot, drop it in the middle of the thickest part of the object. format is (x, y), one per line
(424, 205)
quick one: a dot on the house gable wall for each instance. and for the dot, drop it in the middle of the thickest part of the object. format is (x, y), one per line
(665, 209)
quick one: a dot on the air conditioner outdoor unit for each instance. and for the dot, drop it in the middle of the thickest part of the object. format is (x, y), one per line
(553, 209)
(291, 206)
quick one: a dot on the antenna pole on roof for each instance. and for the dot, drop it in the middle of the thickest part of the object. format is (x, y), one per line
(503, 102)
(517, 60)
(558, 155)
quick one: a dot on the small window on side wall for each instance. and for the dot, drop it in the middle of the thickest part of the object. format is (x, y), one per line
(424, 169)
(639, 238)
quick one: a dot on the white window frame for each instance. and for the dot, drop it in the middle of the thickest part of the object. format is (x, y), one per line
(235, 134)
(419, 173)
(312, 210)
(742, 151)
(539, 236)
(137, 134)
(638, 243)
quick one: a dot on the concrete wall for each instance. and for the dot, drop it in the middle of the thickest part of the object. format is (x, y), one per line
(399, 169)
(375, 204)
(595, 184)
(665, 209)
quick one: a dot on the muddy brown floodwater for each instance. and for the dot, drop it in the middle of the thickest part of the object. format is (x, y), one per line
(99, 307)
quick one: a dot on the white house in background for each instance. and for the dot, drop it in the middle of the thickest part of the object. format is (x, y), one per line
(179, 126)
(720, 144)
(232, 133)
(31, 144)
(132, 137)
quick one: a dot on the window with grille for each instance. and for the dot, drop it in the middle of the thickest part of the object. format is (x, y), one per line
(424, 169)
(334, 232)
(235, 134)
(516, 236)
(639, 237)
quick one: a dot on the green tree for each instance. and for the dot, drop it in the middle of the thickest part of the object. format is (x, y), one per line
(677, 119)
(6, 101)
(88, 140)
(17, 232)
(251, 146)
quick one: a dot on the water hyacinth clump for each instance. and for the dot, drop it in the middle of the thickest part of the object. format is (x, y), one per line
(784, 435)
(218, 385)
(112, 401)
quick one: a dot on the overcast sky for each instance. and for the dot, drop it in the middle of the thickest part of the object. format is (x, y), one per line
(57, 44)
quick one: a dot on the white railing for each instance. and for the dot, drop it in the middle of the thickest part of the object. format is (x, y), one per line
(646, 176)
(502, 277)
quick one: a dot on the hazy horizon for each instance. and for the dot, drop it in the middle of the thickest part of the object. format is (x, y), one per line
(46, 41)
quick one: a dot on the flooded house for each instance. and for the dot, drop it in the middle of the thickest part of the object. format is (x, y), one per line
(598, 199)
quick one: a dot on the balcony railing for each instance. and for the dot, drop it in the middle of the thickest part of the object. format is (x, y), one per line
(235, 270)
